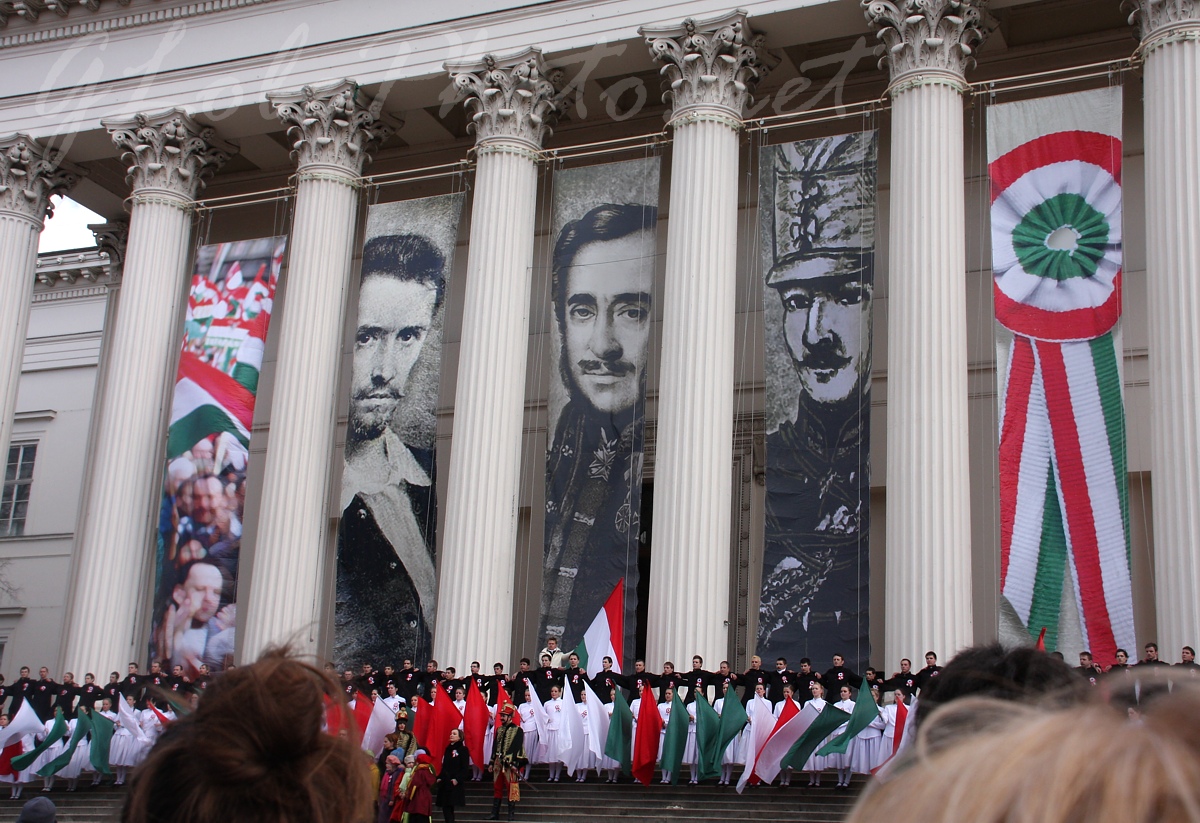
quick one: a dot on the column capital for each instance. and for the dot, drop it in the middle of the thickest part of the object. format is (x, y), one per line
(1157, 21)
(511, 99)
(30, 174)
(111, 239)
(710, 64)
(929, 37)
(335, 125)
(168, 151)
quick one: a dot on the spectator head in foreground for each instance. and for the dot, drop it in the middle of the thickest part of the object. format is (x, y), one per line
(982, 760)
(1020, 674)
(254, 752)
(38, 810)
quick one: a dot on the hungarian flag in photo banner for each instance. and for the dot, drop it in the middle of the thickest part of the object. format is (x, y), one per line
(230, 299)
(1055, 170)
(817, 249)
(603, 267)
(386, 572)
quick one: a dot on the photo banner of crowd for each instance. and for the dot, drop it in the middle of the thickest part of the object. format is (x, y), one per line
(1055, 170)
(228, 313)
(817, 198)
(604, 229)
(386, 571)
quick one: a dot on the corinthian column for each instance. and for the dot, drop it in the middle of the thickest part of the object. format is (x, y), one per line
(512, 110)
(928, 46)
(333, 130)
(1170, 32)
(711, 65)
(169, 156)
(29, 174)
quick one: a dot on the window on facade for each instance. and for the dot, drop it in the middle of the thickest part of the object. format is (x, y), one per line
(14, 499)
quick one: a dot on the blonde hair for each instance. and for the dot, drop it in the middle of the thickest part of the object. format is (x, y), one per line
(1088, 763)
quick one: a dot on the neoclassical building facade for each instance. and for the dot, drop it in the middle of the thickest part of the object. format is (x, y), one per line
(185, 123)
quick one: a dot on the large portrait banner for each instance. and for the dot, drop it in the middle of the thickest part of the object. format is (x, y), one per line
(1055, 171)
(602, 289)
(386, 571)
(194, 621)
(817, 198)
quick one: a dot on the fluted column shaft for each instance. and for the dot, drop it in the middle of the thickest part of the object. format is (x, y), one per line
(688, 606)
(1172, 124)
(928, 572)
(479, 551)
(29, 175)
(711, 66)
(333, 127)
(475, 590)
(114, 541)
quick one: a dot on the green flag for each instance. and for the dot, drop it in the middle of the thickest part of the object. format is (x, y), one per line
(675, 738)
(102, 732)
(82, 726)
(57, 731)
(708, 739)
(829, 719)
(733, 720)
(619, 744)
(864, 712)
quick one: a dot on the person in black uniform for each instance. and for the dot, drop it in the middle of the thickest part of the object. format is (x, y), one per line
(368, 679)
(519, 682)
(481, 681)
(640, 679)
(544, 678)
(606, 680)
(806, 677)
(408, 681)
(451, 788)
(1088, 669)
(133, 684)
(668, 680)
(752, 678)
(931, 670)
(839, 676)
(90, 692)
(782, 676)
(575, 677)
(697, 680)
(386, 572)
(906, 678)
(431, 678)
(42, 694)
(112, 689)
(65, 695)
(18, 690)
(1188, 661)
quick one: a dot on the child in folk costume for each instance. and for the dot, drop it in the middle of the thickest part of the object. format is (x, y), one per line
(106, 709)
(889, 716)
(841, 762)
(57, 748)
(15, 748)
(729, 756)
(789, 694)
(554, 721)
(529, 727)
(815, 763)
(80, 758)
(745, 752)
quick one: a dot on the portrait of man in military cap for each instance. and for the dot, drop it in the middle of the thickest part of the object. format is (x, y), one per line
(819, 260)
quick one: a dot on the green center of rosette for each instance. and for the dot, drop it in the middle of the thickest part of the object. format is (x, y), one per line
(1061, 238)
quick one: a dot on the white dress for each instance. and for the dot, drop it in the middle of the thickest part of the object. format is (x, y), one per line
(731, 751)
(865, 753)
(554, 708)
(125, 750)
(664, 711)
(607, 762)
(533, 748)
(888, 741)
(816, 763)
(27, 744)
(588, 758)
(689, 748)
(54, 751)
(80, 758)
(635, 707)
(841, 761)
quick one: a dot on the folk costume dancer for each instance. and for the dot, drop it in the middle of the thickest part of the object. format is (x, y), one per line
(508, 760)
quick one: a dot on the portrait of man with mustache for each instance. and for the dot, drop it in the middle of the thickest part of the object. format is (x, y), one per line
(386, 579)
(602, 282)
(818, 469)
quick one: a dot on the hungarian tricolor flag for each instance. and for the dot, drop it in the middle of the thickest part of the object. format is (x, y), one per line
(606, 635)
(207, 401)
(1055, 170)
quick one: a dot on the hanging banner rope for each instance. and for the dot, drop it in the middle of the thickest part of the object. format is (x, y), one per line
(1055, 171)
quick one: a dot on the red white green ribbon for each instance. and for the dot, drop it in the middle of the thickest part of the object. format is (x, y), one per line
(1056, 238)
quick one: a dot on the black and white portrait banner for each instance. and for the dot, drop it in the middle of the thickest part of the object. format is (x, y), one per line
(602, 290)
(817, 249)
(386, 570)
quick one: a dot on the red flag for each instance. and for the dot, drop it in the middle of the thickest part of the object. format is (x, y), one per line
(162, 718)
(333, 716)
(901, 722)
(645, 746)
(1041, 644)
(501, 698)
(475, 723)
(362, 716)
(14, 749)
(446, 717)
(424, 710)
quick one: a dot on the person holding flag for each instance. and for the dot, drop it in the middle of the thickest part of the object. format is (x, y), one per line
(733, 719)
(529, 729)
(817, 763)
(508, 760)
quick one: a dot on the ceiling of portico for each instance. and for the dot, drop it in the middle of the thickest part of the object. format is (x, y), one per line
(220, 66)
